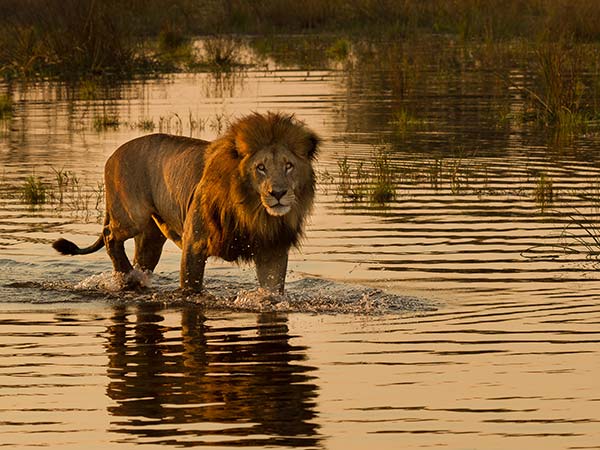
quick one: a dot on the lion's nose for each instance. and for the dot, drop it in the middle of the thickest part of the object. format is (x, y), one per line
(278, 194)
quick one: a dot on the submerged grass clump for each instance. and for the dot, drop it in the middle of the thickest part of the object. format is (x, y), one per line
(33, 191)
(339, 50)
(6, 106)
(105, 122)
(221, 53)
(404, 120)
(374, 180)
(65, 193)
(543, 193)
(383, 190)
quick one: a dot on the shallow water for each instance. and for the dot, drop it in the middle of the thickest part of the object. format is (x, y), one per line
(450, 316)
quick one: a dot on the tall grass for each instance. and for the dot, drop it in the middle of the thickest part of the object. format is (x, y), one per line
(373, 180)
(67, 38)
(561, 85)
(72, 38)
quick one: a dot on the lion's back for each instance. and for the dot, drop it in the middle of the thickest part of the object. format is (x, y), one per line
(153, 174)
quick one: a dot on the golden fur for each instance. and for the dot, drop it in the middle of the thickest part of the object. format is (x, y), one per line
(244, 196)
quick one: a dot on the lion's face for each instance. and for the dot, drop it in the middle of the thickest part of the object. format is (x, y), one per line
(274, 173)
(258, 185)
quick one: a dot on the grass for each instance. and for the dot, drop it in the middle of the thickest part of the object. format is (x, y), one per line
(147, 125)
(561, 87)
(373, 180)
(6, 106)
(33, 191)
(405, 121)
(383, 190)
(76, 38)
(339, 50)
(105, 122)
(66, 193)
(543, 192)
(221, 53)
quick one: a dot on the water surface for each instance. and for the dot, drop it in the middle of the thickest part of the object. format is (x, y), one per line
(449, 316)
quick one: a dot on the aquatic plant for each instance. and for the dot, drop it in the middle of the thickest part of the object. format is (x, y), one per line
(221, 53)
(145, 125)
(175, 49)
(373, 180)
(6, 106)
(33, 191)
(383, 189)
(339, 50)
(404, 120)
(62, 180)
(105, 122)
(543, 193)
(171, 37)
(345, 182)
(171, 124)
(68, 38)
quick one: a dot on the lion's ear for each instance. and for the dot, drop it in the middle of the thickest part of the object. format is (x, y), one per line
(313, 146)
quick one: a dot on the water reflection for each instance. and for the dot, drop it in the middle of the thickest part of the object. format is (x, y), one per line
(206, 382)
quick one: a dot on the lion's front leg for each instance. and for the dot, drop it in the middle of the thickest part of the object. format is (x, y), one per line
(271, 268)
(193, 261)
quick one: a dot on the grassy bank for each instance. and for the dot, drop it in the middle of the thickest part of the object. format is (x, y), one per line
(72, 38)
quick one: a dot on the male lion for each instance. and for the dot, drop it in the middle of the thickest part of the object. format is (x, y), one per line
(243, 197)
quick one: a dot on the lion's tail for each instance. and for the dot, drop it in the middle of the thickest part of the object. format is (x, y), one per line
(69, 248)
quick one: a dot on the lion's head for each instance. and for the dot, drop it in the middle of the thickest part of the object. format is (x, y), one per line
(259, 184)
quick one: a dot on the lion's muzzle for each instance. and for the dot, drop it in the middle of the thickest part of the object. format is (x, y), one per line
(278, 203)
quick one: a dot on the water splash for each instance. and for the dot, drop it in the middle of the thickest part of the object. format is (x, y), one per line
(116, 281)
(314, 295)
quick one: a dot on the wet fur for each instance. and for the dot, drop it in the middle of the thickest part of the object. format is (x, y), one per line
(238, 224)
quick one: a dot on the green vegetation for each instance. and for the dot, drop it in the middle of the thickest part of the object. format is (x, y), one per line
(373, 181)
(405, 121)
(339, 50)
(543, 193)
(65, 193)
(383, 190)
(6, 106)
(557, 98)
(76, 38)
(33, 191)
(352, 180)
(105, 122)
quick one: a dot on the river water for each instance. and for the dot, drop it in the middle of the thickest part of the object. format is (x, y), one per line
(462, 312)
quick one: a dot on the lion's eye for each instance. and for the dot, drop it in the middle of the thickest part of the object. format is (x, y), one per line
(261, 168)
(288, 166)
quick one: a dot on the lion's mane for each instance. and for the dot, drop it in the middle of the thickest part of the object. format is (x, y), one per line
(236, 222)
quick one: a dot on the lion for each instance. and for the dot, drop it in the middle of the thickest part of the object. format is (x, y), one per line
(243, 197)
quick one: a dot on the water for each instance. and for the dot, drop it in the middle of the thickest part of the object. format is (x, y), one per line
(450, 316)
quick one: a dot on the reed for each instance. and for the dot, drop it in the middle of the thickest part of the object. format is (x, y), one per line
(543, 192)
(339, 50)
(33, 191)
(405, 121)
(6, 106)
(383, 190)
(68, 38)
(559, 101)
(221, 53)
(105, 122)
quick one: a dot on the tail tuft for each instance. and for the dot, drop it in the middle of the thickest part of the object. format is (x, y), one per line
(66, 247)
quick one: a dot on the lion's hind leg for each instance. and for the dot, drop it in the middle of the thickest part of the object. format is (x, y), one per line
(148, 247)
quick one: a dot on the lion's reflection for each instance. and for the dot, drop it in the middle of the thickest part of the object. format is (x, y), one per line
(208, 381)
